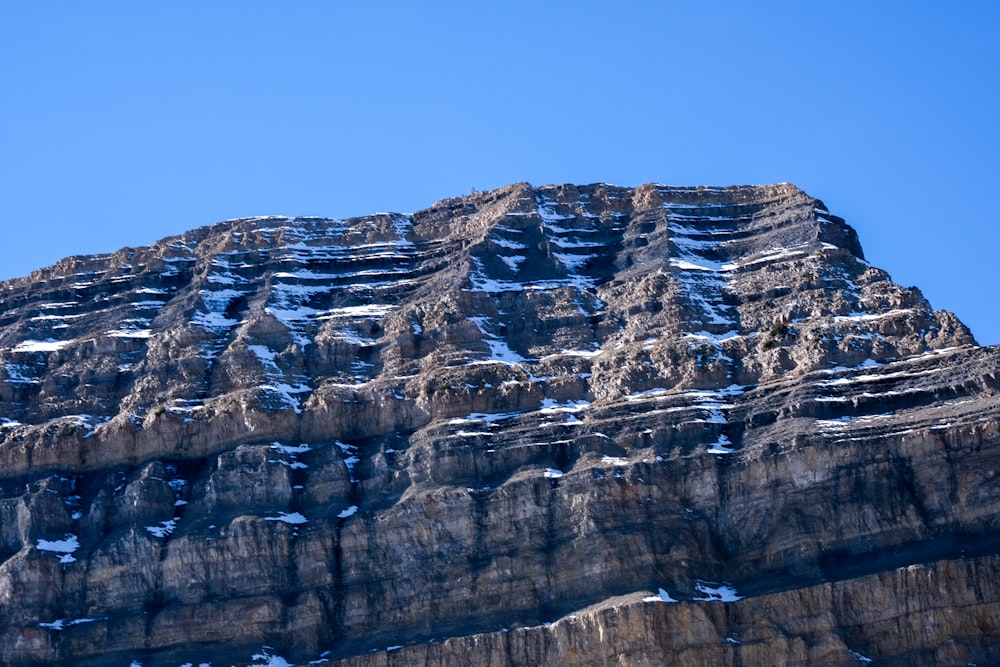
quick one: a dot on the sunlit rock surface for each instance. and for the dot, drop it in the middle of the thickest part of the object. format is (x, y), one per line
(578, 425)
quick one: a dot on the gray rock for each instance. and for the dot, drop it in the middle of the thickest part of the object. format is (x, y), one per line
(502, 430)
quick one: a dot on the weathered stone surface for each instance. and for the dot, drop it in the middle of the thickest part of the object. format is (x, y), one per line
(839, 623)
(487, 432)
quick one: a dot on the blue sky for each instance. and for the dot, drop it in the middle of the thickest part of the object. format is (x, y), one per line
(123, 122)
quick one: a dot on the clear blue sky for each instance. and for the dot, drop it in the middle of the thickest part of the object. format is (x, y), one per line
(123, 122)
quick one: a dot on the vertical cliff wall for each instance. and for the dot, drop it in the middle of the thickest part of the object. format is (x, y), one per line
(560, 425)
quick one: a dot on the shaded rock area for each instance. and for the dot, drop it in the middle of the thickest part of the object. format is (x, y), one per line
(579, 425)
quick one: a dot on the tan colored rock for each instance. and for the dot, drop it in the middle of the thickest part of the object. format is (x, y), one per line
(486, 432)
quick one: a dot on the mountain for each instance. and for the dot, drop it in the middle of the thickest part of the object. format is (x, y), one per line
(577, 425)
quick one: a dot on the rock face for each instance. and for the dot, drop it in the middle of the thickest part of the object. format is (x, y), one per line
(580, 425)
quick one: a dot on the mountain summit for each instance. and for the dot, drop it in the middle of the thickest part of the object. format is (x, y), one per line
(577, 425)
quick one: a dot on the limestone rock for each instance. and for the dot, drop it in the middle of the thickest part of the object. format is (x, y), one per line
(577, 425)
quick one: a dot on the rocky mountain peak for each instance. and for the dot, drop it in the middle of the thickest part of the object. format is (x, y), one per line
(404, 427)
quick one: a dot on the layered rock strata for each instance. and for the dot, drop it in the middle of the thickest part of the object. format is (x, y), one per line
(560, 425)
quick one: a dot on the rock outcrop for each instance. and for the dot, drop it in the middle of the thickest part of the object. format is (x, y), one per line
(570, 425)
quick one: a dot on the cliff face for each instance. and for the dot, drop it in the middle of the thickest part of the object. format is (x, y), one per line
(560, 425)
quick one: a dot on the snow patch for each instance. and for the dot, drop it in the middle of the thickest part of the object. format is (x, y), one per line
(510, 245)
(662, 596)
(351, 458)
(293, 518)
(273, 372)
(291, 449)
(499, 350)
(130, 333)
(267, 659)
(774, 255)
(368, 310)
(513, 262)
(488, 418)
(20, 374)
(165, 528)
(685, 265)
(551, 406)
(716, 592)
(655, 392)
(62, 623)
(867, 317)
(216, 302)
(65, 547)
(41, 345)
(714, 339)
(614, 460)
(721, 446)
(572, 262)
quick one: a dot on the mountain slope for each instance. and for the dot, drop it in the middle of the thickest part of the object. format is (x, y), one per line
(522, 407)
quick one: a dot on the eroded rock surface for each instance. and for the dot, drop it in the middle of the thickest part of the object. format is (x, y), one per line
(563, 425)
